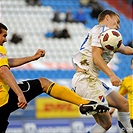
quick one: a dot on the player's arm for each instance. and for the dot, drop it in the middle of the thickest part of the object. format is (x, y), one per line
(14, 62)
(101, 64)
(10, 80)
(125, 50)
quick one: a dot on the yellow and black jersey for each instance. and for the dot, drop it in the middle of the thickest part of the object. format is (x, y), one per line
(127, 88)
(4, 88)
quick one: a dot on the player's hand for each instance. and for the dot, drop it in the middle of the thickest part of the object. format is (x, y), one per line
(115, 80)
(22, 103)
(39, 53)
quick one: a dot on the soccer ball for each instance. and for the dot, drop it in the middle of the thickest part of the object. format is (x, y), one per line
(111, 39)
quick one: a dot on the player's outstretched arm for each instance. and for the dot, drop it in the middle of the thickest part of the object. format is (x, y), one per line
(101, 64)
(125, 50)
(14, 62)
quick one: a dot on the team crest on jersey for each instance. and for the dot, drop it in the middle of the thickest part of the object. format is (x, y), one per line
(102, 99)
(99, 36)
(2, 55)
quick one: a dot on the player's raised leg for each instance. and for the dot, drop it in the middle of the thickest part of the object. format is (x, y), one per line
(63, 93)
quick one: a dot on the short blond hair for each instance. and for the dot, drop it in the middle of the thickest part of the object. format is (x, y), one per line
(102, 15)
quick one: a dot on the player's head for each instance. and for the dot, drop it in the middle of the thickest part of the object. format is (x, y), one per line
(132, 63)
(109, 18)
(2, 27)
(3, 33)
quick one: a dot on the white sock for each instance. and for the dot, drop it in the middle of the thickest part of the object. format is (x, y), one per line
(124, 118)
(97, 129)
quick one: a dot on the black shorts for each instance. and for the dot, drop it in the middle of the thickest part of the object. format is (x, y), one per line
(30, 88)
(131, 122)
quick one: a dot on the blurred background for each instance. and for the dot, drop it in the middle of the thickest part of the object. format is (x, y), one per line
(59, 27)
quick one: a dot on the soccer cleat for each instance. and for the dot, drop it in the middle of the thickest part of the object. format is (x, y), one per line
(92, 108)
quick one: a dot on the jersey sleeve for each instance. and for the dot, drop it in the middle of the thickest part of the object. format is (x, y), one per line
(123, 90)
(95, 39)
(3, 57)
(96, 32)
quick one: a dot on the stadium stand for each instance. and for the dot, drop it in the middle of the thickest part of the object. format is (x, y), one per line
(32, 22)
(119, 4)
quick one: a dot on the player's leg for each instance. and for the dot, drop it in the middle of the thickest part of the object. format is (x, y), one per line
(33, 88)
(4, 118)
(61, 92)
(65, 94)
(117, 101)
(90, 89)
(104, 122)
(6, 109)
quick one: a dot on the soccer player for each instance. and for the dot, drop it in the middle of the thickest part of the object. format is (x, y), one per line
(126, 88)
(14, 96)
(88, 62)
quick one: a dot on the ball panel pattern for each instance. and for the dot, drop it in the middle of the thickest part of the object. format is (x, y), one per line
(111, 39)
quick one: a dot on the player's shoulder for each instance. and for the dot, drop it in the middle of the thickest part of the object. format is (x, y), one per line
(99, 28)
(95, 28)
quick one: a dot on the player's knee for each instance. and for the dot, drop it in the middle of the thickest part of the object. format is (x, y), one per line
(45, 83)
(123, 106)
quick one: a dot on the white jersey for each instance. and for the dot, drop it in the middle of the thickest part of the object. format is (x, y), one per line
(86, 84)
(83, 58)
